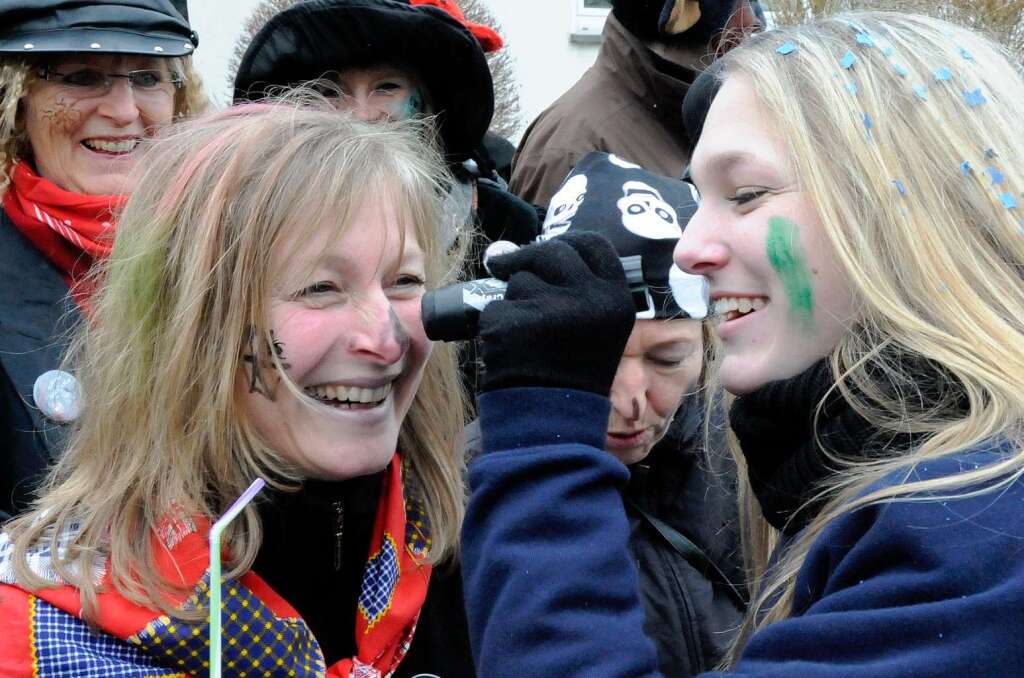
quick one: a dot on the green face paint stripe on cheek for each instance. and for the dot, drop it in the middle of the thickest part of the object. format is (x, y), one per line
(787, 258)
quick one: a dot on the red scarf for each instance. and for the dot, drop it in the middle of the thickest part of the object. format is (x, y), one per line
(394, 588)
(394, 582)
(73, 230)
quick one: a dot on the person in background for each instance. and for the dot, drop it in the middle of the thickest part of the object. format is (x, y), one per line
(629, 102)
(680, 499)
(82, 85)
(258, 317)
(862, 243)
(395, 59)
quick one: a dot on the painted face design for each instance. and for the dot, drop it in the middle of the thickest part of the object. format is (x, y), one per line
(345, 314)
(379, 93)
(779, 295)
(645, 212)
(564, 206)
(659, 367)
(87, 144)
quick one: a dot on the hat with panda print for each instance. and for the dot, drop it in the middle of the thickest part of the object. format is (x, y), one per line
(641, 213)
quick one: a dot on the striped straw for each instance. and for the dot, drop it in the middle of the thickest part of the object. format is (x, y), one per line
(215, 603)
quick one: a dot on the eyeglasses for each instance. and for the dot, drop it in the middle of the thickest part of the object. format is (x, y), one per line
(92, 82)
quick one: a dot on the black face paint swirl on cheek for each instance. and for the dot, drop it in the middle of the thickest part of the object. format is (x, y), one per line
(279, 350)
(258, 359)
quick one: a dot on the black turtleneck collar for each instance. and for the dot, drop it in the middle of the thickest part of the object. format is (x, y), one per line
(786, 465)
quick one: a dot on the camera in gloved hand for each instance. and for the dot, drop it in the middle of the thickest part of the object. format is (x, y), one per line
(453, 313)
(559, 312)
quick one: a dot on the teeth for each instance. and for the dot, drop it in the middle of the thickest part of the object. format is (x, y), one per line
(351, 394)
(727, 305)
(126, 146)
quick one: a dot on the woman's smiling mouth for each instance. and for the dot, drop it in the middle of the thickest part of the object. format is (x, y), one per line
(731, 308)
(108, 146)
(350, 397)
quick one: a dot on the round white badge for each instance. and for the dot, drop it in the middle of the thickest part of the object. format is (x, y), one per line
(57, 396)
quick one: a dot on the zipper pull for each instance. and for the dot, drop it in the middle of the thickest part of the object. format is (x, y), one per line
(339, 532)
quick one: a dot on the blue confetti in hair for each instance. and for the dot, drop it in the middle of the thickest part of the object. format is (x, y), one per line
(943, 74)
(786, 48)
(901, 70)
(887, 51)
(848, 60)
(966, 55)
(899, 186)
(990, 153)
(974, 98)
(921, 92)
(851, 87)
(864, 39)
(997, 176)
(868, 124)
(1009, 200)
(965, 168)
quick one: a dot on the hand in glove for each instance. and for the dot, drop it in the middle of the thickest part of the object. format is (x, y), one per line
(565, 318)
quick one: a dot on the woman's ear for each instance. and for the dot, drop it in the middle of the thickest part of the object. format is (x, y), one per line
(685, 13)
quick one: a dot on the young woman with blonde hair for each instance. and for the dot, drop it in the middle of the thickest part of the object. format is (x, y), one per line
(860, 228)
(259, 317)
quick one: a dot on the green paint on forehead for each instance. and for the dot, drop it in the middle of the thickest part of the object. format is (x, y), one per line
(790, 263)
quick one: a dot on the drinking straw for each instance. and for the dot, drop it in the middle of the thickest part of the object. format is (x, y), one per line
(215, 603)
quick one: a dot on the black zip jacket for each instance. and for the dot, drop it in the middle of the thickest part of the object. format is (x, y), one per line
(36, 315)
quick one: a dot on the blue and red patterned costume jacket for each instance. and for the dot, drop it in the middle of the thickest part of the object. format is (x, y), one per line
(43, 635)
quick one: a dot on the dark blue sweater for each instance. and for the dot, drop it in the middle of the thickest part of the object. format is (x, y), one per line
(921, 588)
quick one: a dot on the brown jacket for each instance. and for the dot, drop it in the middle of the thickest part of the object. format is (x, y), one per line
(624, 104)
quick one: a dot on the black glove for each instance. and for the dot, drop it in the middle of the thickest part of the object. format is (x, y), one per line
(565, 318)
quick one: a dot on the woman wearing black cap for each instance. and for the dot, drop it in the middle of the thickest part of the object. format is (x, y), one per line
(81, 85)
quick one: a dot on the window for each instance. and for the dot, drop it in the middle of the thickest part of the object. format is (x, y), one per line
(588, 19)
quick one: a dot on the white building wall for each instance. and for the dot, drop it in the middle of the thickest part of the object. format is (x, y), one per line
(547, 62)
(537, 33)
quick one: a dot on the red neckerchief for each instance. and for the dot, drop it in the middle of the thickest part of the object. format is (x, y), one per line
(73, 230)
(394, 588)
(394, 582)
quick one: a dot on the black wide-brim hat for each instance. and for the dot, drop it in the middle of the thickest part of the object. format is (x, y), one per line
(310, 38)
(151, 27)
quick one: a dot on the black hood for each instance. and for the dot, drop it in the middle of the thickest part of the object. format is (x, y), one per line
(310, 38)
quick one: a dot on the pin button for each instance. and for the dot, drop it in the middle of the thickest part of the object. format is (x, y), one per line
(57, 396)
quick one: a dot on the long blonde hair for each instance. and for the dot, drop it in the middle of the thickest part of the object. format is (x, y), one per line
(912, 159)
(163, 432)
(16, 79)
